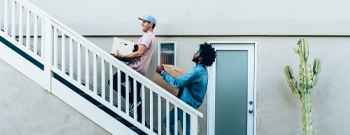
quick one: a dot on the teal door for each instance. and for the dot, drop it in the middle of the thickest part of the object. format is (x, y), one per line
(232, 81)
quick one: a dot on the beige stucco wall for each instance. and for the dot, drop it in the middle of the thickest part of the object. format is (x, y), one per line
(26, 108)
(278, 110)
(205, 17)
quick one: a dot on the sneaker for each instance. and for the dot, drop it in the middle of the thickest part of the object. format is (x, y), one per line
(131, 106)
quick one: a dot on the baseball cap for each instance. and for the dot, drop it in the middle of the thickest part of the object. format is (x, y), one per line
(149, 18)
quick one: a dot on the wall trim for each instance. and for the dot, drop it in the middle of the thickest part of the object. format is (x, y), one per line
(217, 30)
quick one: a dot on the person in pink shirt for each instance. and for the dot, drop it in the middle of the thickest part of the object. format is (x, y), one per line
(140, 60)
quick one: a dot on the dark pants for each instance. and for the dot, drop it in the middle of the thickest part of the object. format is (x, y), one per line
(131, 94)
(179, 117)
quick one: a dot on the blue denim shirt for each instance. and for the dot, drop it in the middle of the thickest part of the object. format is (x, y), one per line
(195, 83)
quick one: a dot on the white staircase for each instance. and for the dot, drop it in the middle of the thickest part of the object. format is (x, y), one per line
(76, 71)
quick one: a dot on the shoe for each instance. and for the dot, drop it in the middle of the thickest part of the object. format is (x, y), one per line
(131, 106)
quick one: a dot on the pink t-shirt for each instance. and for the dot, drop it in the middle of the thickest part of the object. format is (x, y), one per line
(141, 64)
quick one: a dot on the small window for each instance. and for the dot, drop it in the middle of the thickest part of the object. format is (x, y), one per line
(166, 53)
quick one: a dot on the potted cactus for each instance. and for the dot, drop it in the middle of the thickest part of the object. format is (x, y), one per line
(308, 80)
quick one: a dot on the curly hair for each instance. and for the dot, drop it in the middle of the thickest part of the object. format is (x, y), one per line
(208, 54)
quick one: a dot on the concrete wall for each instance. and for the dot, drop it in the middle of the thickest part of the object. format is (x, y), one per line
(26, 108)
(206, 17)
(278, 110)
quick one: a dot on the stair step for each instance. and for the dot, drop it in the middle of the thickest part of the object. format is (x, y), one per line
(74, 88)
(38, 64)
(107, 110)
(92, 100)
(22, 53)
(135, 129)
(118, 117)
(95, 102)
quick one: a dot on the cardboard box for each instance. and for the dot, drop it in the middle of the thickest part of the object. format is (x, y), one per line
(175, 72)
(124, 46)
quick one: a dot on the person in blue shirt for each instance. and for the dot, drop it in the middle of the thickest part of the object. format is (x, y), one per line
(194, 83)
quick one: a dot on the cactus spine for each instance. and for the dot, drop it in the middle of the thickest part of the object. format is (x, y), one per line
(308, 80)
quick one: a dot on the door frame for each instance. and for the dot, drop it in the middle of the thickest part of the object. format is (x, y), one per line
(211, 86)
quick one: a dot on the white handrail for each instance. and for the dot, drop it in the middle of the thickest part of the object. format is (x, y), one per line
(50, 29)
(121, 65)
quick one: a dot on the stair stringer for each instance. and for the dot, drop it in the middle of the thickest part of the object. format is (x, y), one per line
(89, 110)
(58, 89)
(19, 62)
(51, 29)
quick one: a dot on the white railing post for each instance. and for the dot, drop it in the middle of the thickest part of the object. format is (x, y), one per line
(78, 63)
(143, 104)
(175, 120)
(1, 10)
(13, 20)
(103, 73)
(87, 83)
(47, 53)
(111, 85)
(20, 25)
(151, 109)
(35, 34)
(135, 99)
(167, 117)
(55, 55)
(42, 37)
(119, 89)
(28, 29)
(5, 17)
(126, 93)
(94, 70)
(63, 68)
(184, 122)
(159, 115)
(71, 57)
(194, 124)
